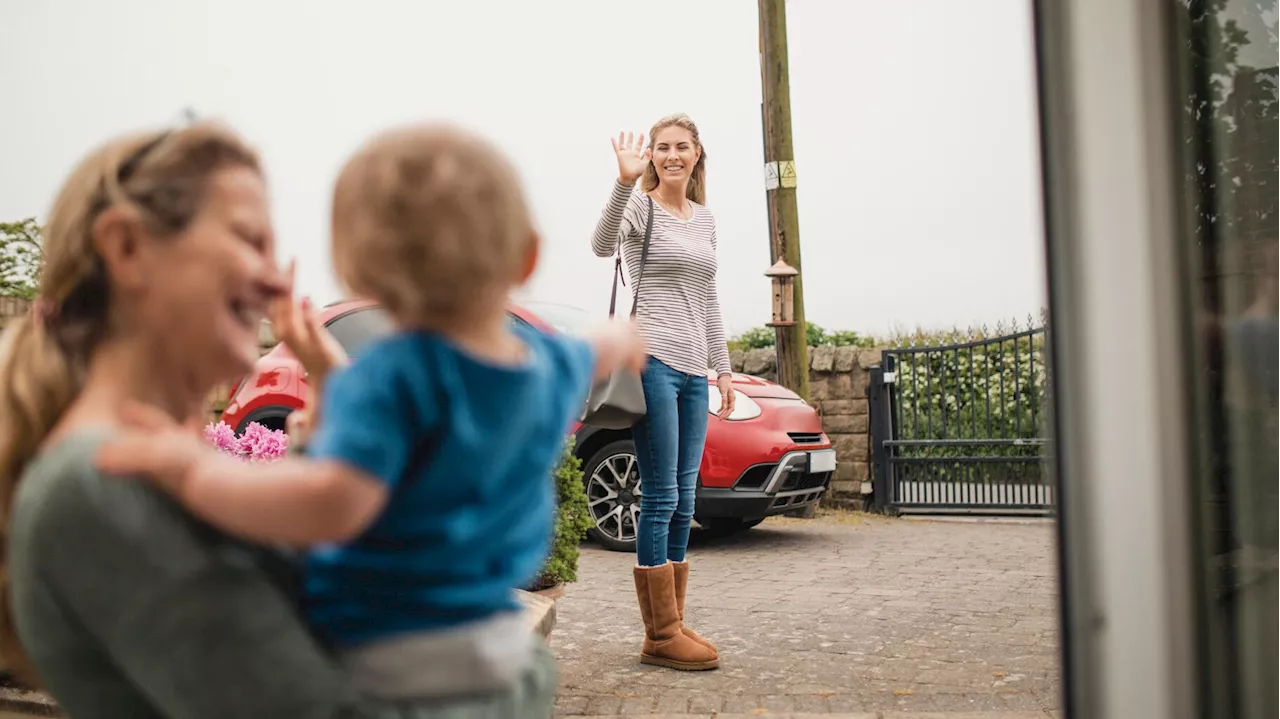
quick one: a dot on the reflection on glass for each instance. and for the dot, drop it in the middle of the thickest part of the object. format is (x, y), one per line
(1226, 61)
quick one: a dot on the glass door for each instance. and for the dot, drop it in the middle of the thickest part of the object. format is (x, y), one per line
(1224, 56)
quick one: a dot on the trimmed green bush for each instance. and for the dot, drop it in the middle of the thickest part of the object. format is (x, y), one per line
(572, 522)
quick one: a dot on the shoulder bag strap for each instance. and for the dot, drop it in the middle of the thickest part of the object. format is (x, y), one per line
(619, 276)
(644, 258)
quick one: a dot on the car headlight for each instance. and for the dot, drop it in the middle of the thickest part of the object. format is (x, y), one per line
(743, 406)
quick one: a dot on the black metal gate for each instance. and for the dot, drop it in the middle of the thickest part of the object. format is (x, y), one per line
(962, 427)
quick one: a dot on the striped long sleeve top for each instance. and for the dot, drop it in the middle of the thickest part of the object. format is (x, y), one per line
(678, 308)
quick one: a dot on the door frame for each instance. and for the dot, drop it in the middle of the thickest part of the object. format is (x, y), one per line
(1107, 111)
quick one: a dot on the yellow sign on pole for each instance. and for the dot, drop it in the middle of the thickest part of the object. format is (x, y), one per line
(787, 173)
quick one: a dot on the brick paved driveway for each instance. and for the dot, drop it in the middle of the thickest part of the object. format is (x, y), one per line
(845, 614)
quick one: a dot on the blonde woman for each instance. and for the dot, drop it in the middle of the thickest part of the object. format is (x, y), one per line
(678, 313)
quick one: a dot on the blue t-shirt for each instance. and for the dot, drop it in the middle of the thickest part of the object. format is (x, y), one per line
(474, 519)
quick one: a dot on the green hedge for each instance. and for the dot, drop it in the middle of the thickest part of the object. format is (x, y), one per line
(763, 337)
(573, 519)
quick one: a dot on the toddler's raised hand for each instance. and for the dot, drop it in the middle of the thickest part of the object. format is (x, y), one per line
(618, 346)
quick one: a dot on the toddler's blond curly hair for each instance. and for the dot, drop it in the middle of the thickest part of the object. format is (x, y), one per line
(431, 222)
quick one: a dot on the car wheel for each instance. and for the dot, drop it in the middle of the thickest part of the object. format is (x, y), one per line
(725, 526)
(612, 481)
(272, 418)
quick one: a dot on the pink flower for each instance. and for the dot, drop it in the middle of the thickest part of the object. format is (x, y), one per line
(222, 437)
(257, 444)
(260, 444)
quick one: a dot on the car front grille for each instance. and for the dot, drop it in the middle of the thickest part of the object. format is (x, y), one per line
(804, 480)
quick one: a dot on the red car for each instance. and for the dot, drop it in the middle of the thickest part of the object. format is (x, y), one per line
(771, 457)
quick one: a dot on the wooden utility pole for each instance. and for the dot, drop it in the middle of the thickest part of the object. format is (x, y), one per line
(780, 184)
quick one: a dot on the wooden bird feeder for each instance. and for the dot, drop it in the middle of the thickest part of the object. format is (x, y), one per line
(783, 277)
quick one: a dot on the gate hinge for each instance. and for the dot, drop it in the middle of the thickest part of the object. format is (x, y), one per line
(890, 377)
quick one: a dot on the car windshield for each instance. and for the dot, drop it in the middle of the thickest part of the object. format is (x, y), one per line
(357, 329)
(564, 318)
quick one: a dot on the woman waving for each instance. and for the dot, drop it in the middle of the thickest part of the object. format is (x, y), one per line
(678, 313)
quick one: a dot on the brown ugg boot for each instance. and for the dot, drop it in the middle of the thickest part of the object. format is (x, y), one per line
(664, 644)
(681, 570)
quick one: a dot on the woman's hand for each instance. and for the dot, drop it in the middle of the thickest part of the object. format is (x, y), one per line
(725, 384)
(297, 326)
(633, 157)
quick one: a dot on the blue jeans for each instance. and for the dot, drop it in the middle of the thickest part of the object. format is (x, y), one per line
(669, 442)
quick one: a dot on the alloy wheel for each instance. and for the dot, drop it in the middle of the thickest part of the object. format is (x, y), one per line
(613, 497)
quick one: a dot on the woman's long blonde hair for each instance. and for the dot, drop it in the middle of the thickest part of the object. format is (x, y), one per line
(697, 190)
(162, 177)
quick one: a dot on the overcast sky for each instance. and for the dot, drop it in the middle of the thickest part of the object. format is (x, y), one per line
(914, 125)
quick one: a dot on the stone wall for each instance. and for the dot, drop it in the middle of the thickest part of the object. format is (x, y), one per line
(838, 378)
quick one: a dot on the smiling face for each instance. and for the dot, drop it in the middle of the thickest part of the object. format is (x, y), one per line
(675, 154)
(197, 298)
